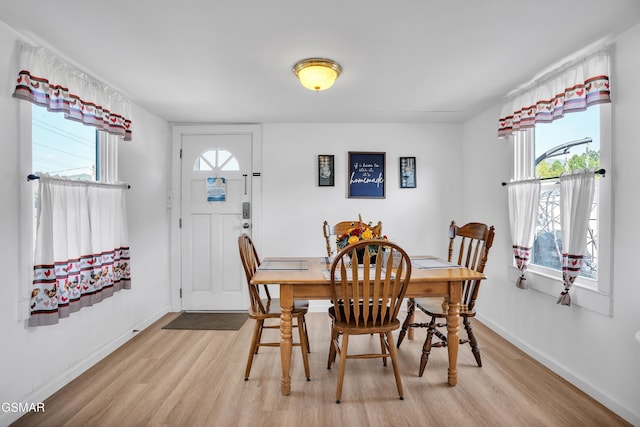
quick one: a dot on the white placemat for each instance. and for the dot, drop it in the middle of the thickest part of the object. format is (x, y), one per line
(284, 264)
(430, 263)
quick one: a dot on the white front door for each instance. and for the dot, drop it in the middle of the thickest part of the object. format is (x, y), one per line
(215, 209)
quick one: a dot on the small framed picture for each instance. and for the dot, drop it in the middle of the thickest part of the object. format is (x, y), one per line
(407, 172)
(326, 170)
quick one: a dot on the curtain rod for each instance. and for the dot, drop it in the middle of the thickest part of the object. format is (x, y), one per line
(32, 177)
(598, 172)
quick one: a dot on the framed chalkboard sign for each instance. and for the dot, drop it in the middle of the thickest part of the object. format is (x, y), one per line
(366, 175)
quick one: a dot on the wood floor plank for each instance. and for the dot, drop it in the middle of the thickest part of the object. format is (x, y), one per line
(196, 378)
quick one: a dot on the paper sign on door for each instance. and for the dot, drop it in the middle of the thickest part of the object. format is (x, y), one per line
(216, 189)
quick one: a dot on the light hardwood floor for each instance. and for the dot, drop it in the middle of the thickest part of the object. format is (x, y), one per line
(195, 378)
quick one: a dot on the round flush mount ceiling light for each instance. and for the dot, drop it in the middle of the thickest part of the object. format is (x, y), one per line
(317, 73)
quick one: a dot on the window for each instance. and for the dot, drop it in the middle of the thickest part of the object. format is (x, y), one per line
(70, 149)
(62, 147)
(561, 146)
(575, 141)
(93, 156)
(57, 146)
(216, 159)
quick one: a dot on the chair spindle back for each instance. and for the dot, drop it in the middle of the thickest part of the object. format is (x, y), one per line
(470, 244)
(381, 285)
(250, 263)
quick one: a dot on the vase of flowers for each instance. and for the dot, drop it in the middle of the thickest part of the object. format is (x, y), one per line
(360, 231)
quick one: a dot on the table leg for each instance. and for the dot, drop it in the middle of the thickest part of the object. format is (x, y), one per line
(453, 327)
(286, 305)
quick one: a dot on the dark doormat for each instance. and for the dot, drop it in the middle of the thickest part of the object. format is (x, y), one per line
(208, 321)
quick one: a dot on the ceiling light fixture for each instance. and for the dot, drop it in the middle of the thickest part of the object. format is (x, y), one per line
(317, 73)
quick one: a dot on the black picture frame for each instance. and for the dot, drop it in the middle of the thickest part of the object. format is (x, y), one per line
(326, 170)
(408, 172)
(366, 175)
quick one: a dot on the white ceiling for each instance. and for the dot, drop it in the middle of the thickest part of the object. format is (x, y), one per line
(231, 61)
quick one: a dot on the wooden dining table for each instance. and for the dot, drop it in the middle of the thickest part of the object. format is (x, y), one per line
(308, 278)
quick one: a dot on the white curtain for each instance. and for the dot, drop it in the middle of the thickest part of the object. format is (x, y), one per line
(81, 249)
(523, 209)
(47, 80)
(572, 87)
(576, 197)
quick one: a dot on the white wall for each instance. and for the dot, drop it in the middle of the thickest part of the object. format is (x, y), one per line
(294, 206)
(38, 361)
(597, 353)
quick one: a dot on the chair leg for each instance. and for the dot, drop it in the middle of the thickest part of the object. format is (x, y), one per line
(306, 334)
(426, 348)
(472, 341)
(332, 347)
(343, 364)
(253, 349)
(411, 306)
(383, 347)
(303, 346)
(259, 340)
(394, 362)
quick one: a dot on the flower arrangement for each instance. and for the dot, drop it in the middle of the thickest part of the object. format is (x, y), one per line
(359, 231)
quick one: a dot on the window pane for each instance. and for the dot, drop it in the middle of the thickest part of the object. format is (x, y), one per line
(62, 147)
(216, 159)
(572, 142)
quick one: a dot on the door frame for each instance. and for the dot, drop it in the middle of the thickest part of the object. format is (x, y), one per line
(174, 197)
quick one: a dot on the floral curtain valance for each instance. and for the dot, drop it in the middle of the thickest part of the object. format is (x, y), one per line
(48, 81)
(573, 87)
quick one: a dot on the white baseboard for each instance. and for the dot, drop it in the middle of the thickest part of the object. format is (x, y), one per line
(73, 372)
(566, 374)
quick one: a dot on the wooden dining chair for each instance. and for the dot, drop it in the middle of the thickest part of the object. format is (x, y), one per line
(371, 306)
(469, 246)
(266, 308)
(332, 231)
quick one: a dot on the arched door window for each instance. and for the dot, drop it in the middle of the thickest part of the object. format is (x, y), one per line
(216, 159)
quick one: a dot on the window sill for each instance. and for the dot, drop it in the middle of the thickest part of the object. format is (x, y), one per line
(581, 296)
